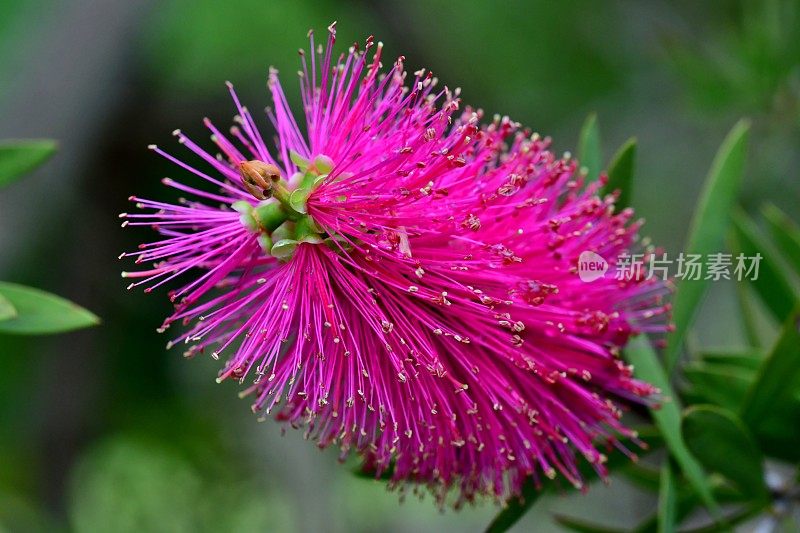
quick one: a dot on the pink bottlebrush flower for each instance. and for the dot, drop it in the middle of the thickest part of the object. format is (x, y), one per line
(402, 280)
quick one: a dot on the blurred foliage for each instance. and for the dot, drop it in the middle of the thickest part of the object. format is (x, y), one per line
(130, 484)
(198, 44)
(751, 63)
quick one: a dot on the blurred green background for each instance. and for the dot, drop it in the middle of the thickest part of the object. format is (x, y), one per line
(105, 426)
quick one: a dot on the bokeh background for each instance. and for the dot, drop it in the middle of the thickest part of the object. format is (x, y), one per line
(105, 426)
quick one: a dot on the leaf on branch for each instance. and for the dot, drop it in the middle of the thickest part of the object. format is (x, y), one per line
(723, 444)
(707, 230)
(771, 406)
(776, 283)
(39, 312)
(590, 154)
(620, 173)
(647, 367)
(17, 158)
(7, 310)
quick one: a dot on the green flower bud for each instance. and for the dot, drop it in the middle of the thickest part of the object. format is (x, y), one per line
(284, 249)
(249, 222)
(323, 164)
(265, 241)
(298, 160)
(270, 215)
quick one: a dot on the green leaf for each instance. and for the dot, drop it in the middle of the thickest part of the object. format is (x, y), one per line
(7, 310)
(785, 233)
(707, 230)
(515, 509)
(745, 359)
(748, 311)
(667, 499)
(620, 173)
(778, 376)
(581, 526)
(643, 476)
(720, 384)
(17, 158)
(686, 503)
(775, 284)
(590, 154)
(730, 521)
(39, 312)
(386, 475)
(723, 444)
(640, 353)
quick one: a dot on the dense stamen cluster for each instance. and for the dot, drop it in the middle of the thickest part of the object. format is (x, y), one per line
(401, 280)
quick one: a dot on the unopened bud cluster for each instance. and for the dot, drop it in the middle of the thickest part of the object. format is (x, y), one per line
(281, 218)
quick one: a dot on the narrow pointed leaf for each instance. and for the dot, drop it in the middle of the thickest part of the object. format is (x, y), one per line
(778, 376)
(581, 526)
(707, 230)
(743, 358)
(620, 173)
(642, 476)
(515, 509)
(730, 521)
(648, 525)
(667, 500)
(776, 284)
(590, 154)
(39, 312)
(17, 158)
(7, 310)
(786, 234)
(747, 308)
(386, 475)
(720, 384)
(686, 503)
(723, 444)
(667, 417)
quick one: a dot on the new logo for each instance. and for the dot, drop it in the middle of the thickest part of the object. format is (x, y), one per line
(591, 266)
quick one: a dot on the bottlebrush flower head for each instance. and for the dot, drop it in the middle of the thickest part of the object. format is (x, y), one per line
(400, 279)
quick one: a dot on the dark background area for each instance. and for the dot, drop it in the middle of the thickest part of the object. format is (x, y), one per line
(107, 421)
